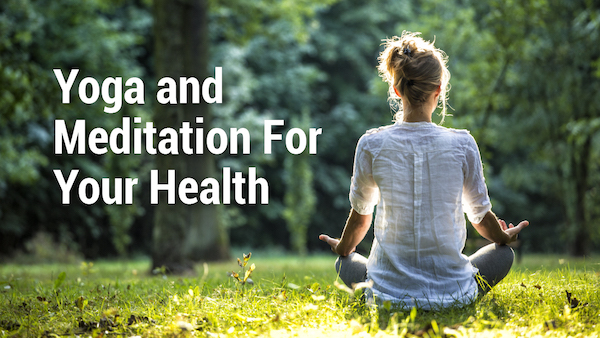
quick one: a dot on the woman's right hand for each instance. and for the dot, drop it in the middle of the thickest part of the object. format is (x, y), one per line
(333, 242)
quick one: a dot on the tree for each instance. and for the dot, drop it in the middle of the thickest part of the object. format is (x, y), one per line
(299, 197)
(183, 233)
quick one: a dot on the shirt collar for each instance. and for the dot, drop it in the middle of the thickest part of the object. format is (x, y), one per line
(415, 124)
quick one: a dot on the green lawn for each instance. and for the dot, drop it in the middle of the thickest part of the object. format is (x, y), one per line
(289, 296)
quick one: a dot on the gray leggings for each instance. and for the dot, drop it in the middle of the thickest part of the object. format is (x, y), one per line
(493, 261)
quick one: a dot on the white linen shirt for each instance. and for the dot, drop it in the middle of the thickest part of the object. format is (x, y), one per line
(420, 175)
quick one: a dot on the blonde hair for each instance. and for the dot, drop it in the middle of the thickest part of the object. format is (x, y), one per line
(415, 68)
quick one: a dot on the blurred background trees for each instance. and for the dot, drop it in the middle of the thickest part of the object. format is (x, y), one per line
(101, 39)
(525, 82)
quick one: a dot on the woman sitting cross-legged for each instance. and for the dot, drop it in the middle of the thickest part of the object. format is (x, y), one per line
(422, 177)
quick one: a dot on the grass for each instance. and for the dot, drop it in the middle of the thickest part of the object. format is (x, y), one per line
(289, 297)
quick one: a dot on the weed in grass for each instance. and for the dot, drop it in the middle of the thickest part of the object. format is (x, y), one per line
(245, 274)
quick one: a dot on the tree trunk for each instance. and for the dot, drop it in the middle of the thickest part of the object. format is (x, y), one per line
(580, 157)
(184, 234)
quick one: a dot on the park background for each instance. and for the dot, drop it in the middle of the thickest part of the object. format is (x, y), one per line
(525, 82)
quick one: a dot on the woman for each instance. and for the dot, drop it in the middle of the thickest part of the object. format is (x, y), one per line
(420, 176)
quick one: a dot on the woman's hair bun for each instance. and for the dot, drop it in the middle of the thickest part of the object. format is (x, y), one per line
(415, 68)
(408, 47)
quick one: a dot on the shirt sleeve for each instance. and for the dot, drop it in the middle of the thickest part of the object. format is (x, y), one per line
(476, 201)
(364, 192)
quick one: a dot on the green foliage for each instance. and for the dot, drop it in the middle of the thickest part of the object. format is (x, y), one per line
(268, 80)
(35, 37)
(240, 21)
(289, 296)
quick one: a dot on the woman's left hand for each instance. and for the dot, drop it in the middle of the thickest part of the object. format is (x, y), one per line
(512, 230)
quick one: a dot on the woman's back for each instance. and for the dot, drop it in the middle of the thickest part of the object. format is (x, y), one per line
(420, 170)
